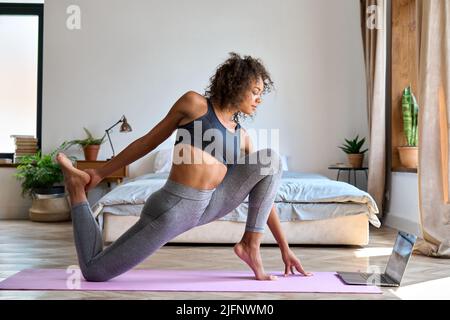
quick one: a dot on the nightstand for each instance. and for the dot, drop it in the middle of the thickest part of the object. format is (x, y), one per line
(349, 169)
(116, 176)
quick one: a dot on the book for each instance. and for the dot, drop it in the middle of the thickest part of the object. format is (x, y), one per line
(25, 152)
(25, 140)
(19, 150)
(21, 136)
(20, 155)
(26, 148)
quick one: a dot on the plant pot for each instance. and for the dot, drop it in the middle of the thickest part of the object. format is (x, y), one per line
(51, 190)
(91, 152)
(409, 157)
(356, 160)
(49, 208)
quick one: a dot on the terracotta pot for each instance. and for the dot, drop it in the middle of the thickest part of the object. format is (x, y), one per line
(356, 160)
(50, 208)
(409, 157)
(91, 152)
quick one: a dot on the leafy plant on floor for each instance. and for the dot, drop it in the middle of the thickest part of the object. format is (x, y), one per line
(353, 146)
(39, 171)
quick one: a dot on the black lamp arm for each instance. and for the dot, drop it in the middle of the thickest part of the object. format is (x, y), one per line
(109, 138)
(115, 124)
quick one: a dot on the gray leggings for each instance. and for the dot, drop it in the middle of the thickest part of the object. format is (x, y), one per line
(174, 209)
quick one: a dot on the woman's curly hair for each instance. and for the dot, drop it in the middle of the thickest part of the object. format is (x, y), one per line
(233, 78)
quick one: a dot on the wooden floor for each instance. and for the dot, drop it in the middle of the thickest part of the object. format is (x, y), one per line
(25, 244)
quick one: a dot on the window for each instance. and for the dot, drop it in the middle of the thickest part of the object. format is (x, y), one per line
(21, 41)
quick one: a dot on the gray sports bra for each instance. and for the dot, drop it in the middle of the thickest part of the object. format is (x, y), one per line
(209, 134)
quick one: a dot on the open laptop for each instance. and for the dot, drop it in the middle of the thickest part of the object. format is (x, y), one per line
(394, 270)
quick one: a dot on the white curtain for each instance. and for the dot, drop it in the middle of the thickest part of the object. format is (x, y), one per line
(373, 25)
(433, 35)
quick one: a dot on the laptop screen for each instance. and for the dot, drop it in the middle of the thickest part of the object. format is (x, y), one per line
(400, 255)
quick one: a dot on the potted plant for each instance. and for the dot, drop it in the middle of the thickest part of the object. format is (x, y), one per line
(90, 145)
(42, 180)
(353, 150)
(409, 154)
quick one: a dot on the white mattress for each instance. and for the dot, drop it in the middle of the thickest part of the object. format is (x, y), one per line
(301, 197)
(348, 230)
(286, 211)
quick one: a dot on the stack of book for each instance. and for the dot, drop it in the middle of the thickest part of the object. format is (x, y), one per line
(25, 146)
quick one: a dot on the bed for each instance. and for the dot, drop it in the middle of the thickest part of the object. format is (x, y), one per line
(312, 208)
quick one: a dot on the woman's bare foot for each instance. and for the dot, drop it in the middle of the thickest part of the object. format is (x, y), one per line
(75, 179)
(252, 257)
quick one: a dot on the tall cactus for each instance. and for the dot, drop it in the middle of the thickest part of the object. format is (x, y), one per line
(410, 110)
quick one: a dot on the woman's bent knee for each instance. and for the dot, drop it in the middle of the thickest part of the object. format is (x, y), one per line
(95, 275)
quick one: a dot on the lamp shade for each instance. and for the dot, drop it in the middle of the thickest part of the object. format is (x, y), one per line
(125, 127)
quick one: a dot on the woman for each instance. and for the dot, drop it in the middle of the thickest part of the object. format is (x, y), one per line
(204, 183)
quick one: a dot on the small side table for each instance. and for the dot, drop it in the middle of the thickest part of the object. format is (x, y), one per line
(349, 169)
(116, 176)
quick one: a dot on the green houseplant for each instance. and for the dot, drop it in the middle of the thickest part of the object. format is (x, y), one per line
(409, 153)
(42, 180)
(353, 150)
(90, 145)
(39, 175)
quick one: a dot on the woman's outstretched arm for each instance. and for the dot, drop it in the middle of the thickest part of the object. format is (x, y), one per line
(275, 227)
(290, 260)
(182, 109)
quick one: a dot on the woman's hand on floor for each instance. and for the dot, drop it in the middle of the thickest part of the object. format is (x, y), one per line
(95, 179)
(291, 262)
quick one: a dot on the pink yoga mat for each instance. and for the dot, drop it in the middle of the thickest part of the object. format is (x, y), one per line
(181, 280)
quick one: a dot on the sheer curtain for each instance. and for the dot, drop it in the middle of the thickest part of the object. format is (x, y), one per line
(433, 35)
(373, 27)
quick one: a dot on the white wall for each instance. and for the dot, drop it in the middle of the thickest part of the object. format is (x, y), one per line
(137, 57)
(12, 205)
(403, 210)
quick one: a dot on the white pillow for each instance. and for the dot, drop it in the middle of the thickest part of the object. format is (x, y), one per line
(163, 160)
(284, 162)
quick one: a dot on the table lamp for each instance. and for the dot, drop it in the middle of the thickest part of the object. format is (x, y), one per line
(125, 127)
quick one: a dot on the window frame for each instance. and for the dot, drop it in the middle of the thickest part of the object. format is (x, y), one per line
(32, 9)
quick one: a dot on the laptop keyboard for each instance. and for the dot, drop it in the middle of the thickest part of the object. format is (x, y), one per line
(381, 277)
